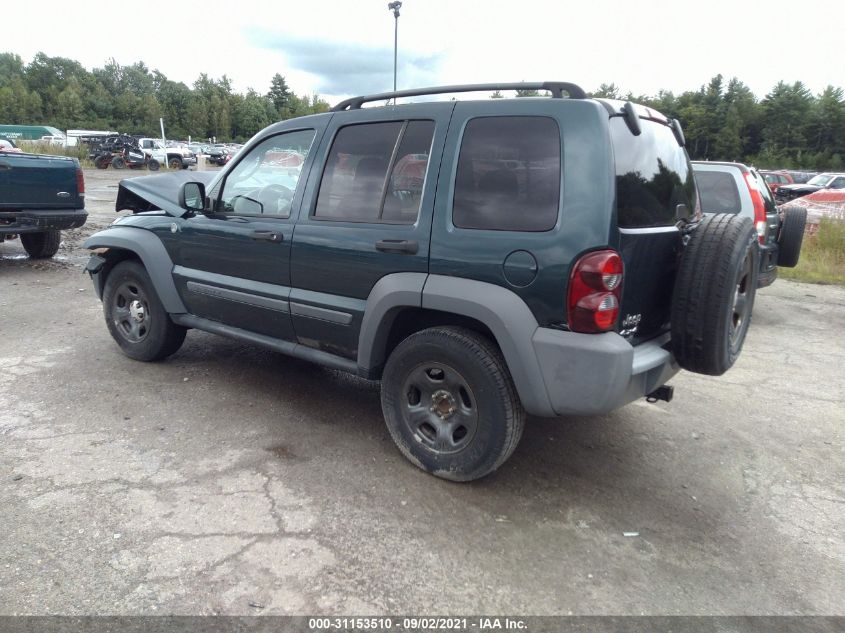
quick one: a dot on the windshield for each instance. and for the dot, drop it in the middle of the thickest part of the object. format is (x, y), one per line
(820, 181)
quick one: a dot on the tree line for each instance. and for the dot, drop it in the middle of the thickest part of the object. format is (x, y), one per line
(60, 92)
(723, 120)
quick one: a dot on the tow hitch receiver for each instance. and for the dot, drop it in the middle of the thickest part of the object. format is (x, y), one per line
(661, 393)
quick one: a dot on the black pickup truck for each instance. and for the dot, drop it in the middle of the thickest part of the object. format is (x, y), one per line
(39, 197)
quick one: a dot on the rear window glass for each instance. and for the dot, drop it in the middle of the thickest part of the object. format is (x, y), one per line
(653, 176)
(718, 192)
(508, 176)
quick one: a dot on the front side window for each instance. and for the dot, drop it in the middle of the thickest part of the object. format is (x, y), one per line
(838, 183)
(375, 173)
(264, 182)
(508, 176)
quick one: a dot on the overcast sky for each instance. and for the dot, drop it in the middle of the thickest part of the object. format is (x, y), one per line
(343, 47)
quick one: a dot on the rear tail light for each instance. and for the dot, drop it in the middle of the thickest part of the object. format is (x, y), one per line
(80, 182)
(759, 207)
(595, 292)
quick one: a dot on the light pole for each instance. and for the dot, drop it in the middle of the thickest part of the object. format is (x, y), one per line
(395, 6)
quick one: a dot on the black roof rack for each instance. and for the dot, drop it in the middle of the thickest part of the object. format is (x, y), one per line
(557, 88)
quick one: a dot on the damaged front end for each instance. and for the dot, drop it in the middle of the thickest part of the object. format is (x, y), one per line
(157, 193)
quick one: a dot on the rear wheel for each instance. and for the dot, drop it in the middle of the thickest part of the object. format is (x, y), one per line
(42, 245)
(791, 236)
(714, 294)
(102, 162)
(153, 165)
(135, 316)
(450, 404)
(118, 162)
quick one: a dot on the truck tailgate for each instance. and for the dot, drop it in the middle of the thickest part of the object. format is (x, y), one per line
(32, 181)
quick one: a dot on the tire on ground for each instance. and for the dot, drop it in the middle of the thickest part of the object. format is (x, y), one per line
(41, 245)
(163, 337)
(791, 235)
(153, 165)
(714, 294)
(174, 162)
(118, 162)
(490, 396)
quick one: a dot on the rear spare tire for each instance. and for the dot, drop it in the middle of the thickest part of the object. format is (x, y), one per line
(714, 294)
(42, 245)
(791, 235)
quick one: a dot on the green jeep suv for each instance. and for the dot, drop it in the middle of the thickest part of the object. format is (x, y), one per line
(484, 259)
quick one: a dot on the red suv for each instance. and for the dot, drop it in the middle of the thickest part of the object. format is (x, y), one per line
(775, 179)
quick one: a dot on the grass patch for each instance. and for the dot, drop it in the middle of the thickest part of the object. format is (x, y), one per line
(76, 151)
(822, 256)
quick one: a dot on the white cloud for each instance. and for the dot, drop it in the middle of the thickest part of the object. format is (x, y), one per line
(336, 46)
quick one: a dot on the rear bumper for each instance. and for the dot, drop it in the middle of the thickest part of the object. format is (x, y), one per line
(593, 374)
(768, 265)
(36, 221)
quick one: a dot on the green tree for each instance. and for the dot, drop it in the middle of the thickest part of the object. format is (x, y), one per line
(280, 94)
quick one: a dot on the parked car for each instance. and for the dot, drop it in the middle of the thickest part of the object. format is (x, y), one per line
(175, 157)
(785, 193)
(9, 146)
(552, 261)
(801, 177)
(737, 188)
(775, 179)
(40, 196)
(219, 155)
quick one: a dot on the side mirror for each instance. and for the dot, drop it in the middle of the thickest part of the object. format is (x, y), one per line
(192, 196)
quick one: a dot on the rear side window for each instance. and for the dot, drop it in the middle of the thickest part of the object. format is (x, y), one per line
(718, 192)
(508, 176)
(356, 186)
(653, 176)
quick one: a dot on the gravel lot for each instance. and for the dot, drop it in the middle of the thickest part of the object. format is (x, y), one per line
(229, 477)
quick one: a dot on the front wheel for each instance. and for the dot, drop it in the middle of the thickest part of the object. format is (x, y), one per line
(174, 163)
(450, 404)
(153, 165)
(118, 162)
(136, 317)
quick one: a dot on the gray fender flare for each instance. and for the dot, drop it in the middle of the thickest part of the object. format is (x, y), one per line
(511, 322)
(390, 294)
(148, 247)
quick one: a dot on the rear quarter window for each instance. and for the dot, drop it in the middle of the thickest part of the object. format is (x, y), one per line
(653, 176)
(508, 176)
(718, 192)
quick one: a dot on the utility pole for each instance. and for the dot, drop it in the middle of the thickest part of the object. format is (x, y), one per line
(395, 6)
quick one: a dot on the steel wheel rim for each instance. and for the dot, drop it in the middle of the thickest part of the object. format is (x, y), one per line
(741, 303)
(131, 312)
(439, 409)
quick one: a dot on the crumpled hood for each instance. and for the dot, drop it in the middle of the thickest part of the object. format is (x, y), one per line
(161, 191)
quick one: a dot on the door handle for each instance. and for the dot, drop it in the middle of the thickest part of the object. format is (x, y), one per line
(398, 246)
(267, 236)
